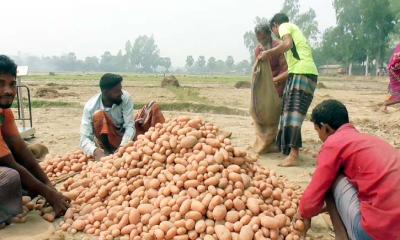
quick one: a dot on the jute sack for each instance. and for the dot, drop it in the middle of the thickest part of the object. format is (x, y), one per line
(265, 107)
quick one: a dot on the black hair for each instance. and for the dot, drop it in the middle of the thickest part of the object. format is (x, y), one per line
(109, 80)
(7, 66)
(331, 112)
(278, 18)
(262, 28)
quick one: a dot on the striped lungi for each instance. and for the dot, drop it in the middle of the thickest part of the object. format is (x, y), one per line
(10, 194)
(297, 97)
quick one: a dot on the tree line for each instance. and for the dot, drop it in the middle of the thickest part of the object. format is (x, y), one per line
(364, 35)
(143, 56)
(213, 65)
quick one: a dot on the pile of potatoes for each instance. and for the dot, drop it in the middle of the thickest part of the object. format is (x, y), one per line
(39, 204)
(64, 165)
(181, 180)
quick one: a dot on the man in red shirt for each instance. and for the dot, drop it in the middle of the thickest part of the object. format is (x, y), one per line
(361, 171)
(18, 167)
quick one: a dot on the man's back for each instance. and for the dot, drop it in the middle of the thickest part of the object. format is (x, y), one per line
(373, 167)
(299, 58)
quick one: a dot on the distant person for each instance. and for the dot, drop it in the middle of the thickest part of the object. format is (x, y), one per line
(358, 177)
(394, 74)
(18, 167)
(300, 86)
(278, 63)
(107, 120)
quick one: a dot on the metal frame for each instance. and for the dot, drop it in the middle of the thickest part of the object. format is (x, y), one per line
(21, 112)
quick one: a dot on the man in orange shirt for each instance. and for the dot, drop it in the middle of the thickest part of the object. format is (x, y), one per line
(18, 167)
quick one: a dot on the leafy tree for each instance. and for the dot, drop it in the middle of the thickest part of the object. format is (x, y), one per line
(106, 61)
(66, 62)
(376, 25)
(189, 61)
(243, 67)
(363, 31)
(221, 66)
(91, 64)
(200, 64)
(165, 62)
(305, 21)
(211, 64)
(144, 54)
(229, 62)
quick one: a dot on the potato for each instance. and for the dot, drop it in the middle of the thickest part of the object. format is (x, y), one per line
(253, 206)
(191, 183)
(26, 199)
(145, 208)
(194, 215)
(299, 225)
(78, 225)
(222, 232)
(216, 200)
(197, 206)
(99, 215)
(49, 217)
(246, 233)
(212, 181)
(232, 216)
(219, 212)
(209, 237)
(269, 222)
(200, 226)
(188, 142)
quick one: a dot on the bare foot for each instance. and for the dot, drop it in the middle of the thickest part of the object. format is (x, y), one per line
(289, 161)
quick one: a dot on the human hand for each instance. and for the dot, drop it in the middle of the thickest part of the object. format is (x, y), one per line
(265, 55)
(301, 224)
(98, 154)
(276, 81)
(59, 202)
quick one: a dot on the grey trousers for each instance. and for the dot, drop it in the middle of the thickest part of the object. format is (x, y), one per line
(348, 206)
(10, 194)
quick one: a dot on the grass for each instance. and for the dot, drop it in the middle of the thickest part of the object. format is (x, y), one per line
(136, 79)
(179, 106)
(48, 104)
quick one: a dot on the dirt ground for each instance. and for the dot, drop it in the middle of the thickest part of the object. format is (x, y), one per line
(58, 128)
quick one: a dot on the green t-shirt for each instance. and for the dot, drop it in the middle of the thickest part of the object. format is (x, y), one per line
(299, 58)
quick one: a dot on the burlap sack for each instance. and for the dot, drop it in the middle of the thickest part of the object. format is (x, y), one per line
(265, 107)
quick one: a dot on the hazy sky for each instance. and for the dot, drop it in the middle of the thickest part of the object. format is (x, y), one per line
(180, 27)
